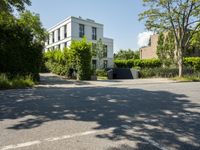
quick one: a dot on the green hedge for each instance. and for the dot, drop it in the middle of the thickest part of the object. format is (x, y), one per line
(142, 63)
(193, 62)
(75, 59)
(164, 72)
(19, 53)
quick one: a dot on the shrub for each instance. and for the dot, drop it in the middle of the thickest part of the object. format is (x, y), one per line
(75, 59)
(163, 72)
(142, 63)
(193, 62)
(80, 57)
(101, 72)
(19, 54)
(15, 82)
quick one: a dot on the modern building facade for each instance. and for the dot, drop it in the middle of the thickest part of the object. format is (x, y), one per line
(62, 34)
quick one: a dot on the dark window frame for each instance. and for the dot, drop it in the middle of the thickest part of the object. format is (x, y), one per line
(81, 30)
(94, 33)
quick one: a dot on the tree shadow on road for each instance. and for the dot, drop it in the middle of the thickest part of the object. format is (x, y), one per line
(168, 118)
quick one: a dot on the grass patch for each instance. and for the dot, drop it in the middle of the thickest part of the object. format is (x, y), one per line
(187, 79)
(15, 82)
(102, 78)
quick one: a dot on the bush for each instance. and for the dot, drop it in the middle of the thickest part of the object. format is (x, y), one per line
(193, 62)
(75, 59)
(15, 82)
(163, 72)
(101, 72)
(19, 54)
(80, 57)
(142, 63)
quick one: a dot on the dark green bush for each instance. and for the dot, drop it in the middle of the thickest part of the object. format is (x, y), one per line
(19, 53)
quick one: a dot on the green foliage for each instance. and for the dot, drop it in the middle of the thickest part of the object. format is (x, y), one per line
(127, 54)
(193, 62)
(180, 17)
(101, 73)
(195, 42)
(57, 62)
(75, 59)
(166, 48)
(80, 57)
(141, 63)
(99, 51)
(16, 82)
(163, 72)
(20, 48)
(32, 21)
(8, 6)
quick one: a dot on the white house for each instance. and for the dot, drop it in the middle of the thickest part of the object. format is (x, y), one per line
(62, 34)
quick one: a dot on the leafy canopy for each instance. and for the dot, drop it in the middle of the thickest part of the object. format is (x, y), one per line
(8, 6)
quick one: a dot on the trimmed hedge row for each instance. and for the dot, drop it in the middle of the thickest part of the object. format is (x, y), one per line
(192, 62)
(142, 63)
(164, 72)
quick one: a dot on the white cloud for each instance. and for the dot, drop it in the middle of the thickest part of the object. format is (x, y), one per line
(143, 38)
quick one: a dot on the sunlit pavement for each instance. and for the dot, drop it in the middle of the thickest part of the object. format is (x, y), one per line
(63, 114)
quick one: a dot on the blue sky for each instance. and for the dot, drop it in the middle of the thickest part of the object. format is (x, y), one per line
(120, 17)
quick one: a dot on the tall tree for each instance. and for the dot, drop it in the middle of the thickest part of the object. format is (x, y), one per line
(8, 6)
(32, 21)
(98, 51)
(182, 17)
(165, 48)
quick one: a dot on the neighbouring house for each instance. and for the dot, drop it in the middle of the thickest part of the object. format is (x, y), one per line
(62, 34)
(150, 51)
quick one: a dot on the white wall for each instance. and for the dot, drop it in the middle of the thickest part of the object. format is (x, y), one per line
(73, 34)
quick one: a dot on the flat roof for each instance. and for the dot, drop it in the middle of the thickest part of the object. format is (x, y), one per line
(79, 18)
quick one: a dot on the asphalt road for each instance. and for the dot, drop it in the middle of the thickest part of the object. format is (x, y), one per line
(152, 114)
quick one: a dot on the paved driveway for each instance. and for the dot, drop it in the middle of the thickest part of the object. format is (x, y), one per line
(152, 114)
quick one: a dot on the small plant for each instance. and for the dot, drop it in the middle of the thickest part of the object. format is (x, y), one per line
(15, 82)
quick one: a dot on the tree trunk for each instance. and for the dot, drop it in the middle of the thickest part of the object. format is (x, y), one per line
(180, 62)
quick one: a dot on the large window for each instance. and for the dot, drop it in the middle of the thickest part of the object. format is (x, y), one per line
(65, 44)
(94, 64)
(105, 64)
(53, 40)
(94, 33)
(48, 40)
(81, 30)
(105, 50)
(58, 34)
(65, 31)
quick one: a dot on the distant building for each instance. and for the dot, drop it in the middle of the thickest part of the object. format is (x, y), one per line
(149, 51)
(62, 34)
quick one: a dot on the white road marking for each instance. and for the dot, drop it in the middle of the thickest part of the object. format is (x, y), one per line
(154, 143)
(14, 146)
(20, 145)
